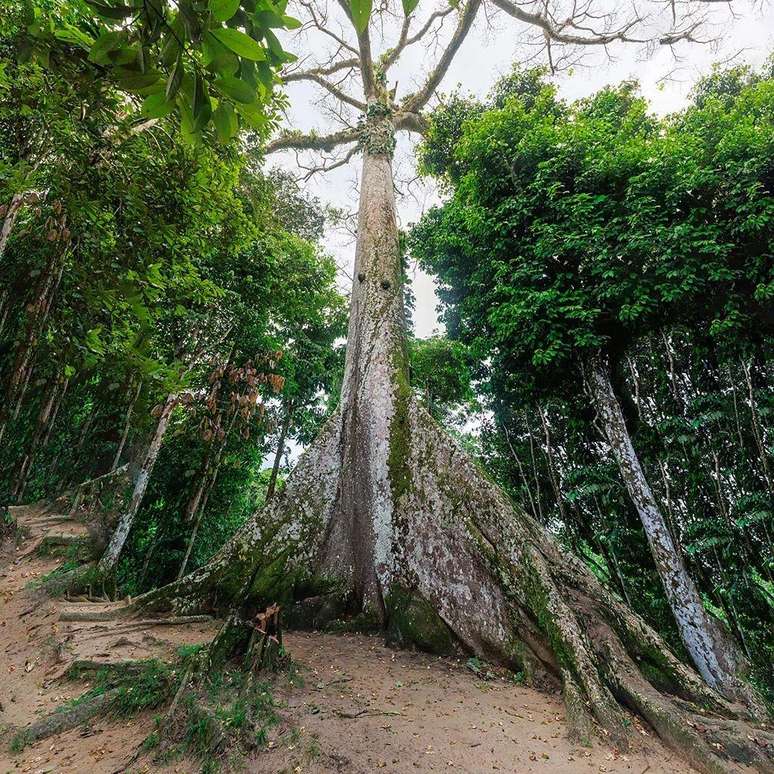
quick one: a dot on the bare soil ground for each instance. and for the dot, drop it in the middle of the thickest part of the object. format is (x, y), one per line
(359, 708)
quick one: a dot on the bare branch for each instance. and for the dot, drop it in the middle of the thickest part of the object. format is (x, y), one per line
(405, 40)
(318, 142)
(299, 75)
(570, 31)
(326, 165)
(329, 87)
(321, 24)
(415, 102)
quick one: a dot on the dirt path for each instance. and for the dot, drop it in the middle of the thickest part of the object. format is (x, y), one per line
(361, 707)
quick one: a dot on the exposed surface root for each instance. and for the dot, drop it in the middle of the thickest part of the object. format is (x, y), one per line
(64, 719)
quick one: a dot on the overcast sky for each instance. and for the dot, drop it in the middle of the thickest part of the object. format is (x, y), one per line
(744, 30)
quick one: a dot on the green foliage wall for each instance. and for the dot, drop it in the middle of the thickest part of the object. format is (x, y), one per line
(594, 227)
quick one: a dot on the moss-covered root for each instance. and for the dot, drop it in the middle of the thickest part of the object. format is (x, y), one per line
(580, 727)
(63, 720)
(279, 541)
(713, 745)
(571, 647)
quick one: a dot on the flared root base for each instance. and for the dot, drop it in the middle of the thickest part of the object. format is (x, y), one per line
(458, 565)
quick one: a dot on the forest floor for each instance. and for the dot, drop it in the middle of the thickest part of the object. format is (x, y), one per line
(355, 706)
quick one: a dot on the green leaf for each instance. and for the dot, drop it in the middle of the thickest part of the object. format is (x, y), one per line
(175, 79)
(201, 107)
(136, 81)
(93, 341)
(122, 56)
(253, 115)
(115, 12)
(103, 45)
(171, 49)
(236, 89)
(226, 122)
(274, 45)
(361, 12)
(156, 106)
(269, 18)
(293, 24)
(72, 35)
(217, 58)
(409, 6)
(240, 44)
(188, 131)
(223, 10)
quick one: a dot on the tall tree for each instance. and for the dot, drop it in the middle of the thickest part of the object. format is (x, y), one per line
(384, 516)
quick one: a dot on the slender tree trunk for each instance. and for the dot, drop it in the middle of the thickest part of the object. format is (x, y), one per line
(44, 417)
(762, 451)
(713, 654)
(5, 306)
(121, 532)
(148, 556)
(515, 456)
(127, 426)
(533, 460)
(21, 371)
(197, 503)
(552, 472)
(197, 523)
(82, 436)
(55, 412)
(280, 451)
(9, 218)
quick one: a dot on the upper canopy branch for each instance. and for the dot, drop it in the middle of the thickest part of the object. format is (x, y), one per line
(573, 31)
(315, 77)
(352, 63)
(325, 164)
(415, 102)
(311, 141)
(364, 52)
(320, 22)
(405, 40)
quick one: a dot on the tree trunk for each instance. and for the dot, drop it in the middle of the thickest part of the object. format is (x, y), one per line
(121, 532)
(127, 425)
(278, 455)
(44, 417)
(197, 504)
(385, 520)
(9, 218)
(22, 368)
(711, 650)
(55, 412)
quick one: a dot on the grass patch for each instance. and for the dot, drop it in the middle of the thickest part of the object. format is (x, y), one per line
(138, 686)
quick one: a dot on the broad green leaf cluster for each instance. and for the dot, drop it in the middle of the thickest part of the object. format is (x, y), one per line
(574, 230)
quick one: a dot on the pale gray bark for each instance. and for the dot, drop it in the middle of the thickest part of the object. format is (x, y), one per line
(376, 371)
(12, 210)
(121, 532)
(712, 653)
